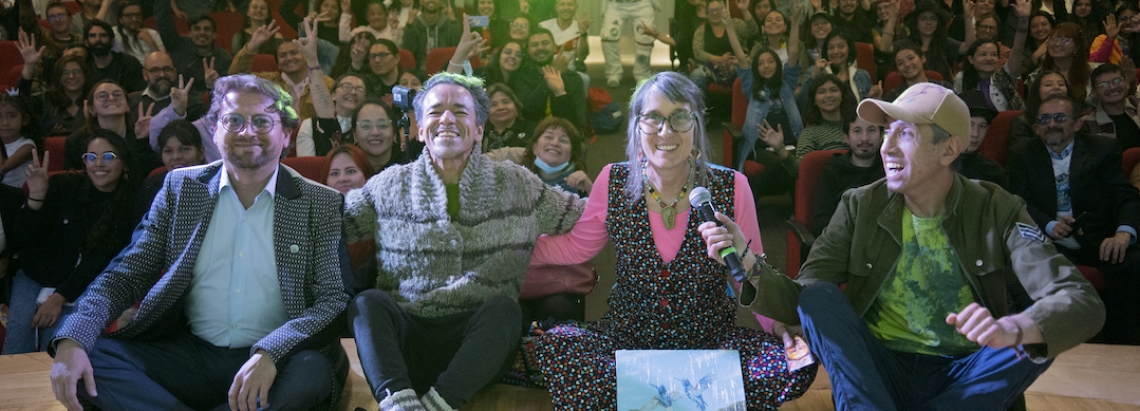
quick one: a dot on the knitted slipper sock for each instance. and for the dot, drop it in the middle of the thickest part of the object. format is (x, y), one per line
(403, 400)
(433, 402)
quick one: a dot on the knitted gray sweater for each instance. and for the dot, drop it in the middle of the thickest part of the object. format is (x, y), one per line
(434, 265)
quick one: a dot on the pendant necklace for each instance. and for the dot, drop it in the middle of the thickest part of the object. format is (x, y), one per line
(668, 212)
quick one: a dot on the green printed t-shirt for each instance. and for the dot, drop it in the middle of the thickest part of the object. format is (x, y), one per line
(909, 315)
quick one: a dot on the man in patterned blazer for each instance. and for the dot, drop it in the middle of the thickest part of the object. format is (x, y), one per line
(249, 282)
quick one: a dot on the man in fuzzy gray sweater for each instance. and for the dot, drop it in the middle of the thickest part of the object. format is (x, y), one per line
(454, 233)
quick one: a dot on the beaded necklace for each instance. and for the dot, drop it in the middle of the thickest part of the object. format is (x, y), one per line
(668, 212)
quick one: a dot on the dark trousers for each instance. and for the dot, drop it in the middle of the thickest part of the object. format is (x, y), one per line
(865, 375)
(187, 373)
(458, 354)
(1121, 292)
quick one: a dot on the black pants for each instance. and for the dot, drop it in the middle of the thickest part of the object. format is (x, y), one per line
(187, 373)
(1121, 292)
(458, 354)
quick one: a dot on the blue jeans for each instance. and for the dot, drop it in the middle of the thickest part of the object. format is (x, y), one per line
(865, 375)
(22, 338)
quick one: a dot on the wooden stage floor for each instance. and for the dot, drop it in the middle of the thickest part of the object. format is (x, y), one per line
(1091, 377)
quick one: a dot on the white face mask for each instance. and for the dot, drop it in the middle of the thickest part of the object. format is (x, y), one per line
(549, 169)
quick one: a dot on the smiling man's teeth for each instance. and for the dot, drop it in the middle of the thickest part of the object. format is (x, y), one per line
(894, 166)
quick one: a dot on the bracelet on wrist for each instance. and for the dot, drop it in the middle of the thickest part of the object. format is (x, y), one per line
(313, 68)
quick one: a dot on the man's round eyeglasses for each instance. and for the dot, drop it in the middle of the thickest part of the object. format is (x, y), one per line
(235, 123)
(154, 71)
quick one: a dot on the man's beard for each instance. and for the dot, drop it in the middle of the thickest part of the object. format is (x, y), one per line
(545, 61)
(99, 49)
(161, 87)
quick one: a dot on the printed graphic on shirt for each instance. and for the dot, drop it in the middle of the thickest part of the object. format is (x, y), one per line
(910, 312)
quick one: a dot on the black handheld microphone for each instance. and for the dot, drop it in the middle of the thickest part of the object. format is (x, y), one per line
(701, 200)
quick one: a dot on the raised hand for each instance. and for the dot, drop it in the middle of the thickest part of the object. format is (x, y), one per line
(308, 43)
(1111, 28)
(774, 137)
(345, 6)
(142, 123)
(584, 25)
(178, 13)
(1129, 68)
(37, 178)
(470, 42)
(820, 64)
(554, 80)
(798, 12)
(1022, 8)
(210, 74)
(876, 90)
(27, 45)
(968, 7)
(560, 61)
(359, 50)
(261, 35)
(180, 96)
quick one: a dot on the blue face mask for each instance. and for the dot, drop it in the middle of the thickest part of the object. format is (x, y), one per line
(549, 169)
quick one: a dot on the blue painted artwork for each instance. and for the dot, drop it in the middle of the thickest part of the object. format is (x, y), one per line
(679, 380)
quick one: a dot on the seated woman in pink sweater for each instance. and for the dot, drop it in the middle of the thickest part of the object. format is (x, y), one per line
(668, 293)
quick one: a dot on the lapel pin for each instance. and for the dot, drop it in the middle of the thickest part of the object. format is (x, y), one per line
(294, 248)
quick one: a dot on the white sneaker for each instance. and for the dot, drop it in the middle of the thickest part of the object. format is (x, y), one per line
(613, 82)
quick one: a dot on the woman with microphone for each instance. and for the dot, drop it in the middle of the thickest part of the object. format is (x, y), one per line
(668, 293)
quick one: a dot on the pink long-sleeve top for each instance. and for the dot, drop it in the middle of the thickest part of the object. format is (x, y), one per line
(589, 234)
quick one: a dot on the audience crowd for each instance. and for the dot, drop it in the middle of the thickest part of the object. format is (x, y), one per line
(371, 91)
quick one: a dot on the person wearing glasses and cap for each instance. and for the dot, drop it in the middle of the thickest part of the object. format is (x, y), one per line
(926, 255)
(239, 265)
(1077, 192)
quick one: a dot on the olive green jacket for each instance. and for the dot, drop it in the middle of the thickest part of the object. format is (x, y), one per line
(992, 236)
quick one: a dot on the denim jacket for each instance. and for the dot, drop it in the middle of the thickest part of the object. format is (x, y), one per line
(758, 109)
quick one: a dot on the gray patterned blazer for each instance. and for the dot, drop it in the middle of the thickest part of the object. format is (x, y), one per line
(307, 240)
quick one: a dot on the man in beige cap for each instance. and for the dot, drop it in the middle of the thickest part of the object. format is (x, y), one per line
(924, 321)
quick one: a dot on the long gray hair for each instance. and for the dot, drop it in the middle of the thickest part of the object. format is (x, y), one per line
(676, 88)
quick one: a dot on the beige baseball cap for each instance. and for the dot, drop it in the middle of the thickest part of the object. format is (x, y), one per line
(923, 103)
